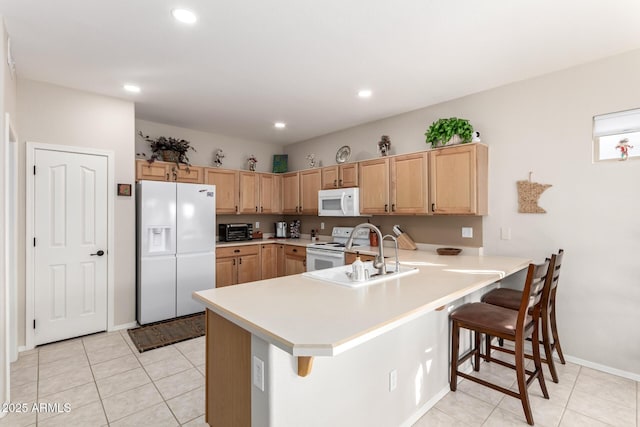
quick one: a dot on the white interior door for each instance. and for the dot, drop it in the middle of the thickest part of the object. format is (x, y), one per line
(70, 232)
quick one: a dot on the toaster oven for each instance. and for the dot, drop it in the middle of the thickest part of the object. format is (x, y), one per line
(235, 232)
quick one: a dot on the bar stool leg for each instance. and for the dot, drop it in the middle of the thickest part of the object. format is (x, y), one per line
(538, 363)
(455, 344)
(522, 382)
(554, 328)
(487, 347)
(548, 351)
(476, 351)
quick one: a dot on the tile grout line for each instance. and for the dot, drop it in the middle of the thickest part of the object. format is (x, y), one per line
(95, 383)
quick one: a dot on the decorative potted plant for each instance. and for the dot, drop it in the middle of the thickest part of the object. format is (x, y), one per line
(443, 131)
(168, 148)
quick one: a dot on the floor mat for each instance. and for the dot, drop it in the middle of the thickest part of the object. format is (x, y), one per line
(167, 332)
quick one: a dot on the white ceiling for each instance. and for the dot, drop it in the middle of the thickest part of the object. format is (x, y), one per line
(248, 63)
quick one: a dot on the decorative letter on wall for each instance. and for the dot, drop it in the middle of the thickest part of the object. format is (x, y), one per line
(528, 195)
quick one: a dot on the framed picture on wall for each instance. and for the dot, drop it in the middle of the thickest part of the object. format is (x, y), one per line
(124, 190)
(280, 163)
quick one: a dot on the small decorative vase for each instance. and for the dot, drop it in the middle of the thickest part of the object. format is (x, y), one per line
(252, 166)
(170, 156)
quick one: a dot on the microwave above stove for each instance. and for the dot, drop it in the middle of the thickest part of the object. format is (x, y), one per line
(235, 232)
(339, 202)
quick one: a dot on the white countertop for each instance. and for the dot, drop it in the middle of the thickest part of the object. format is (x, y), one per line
(308, 317)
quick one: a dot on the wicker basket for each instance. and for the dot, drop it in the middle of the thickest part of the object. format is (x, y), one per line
(170, 156)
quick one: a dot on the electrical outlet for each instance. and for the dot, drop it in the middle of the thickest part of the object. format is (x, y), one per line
(393, 379)
(257, 224)
(505, 233)
(322, 226)
(258, 373)
(467, 232)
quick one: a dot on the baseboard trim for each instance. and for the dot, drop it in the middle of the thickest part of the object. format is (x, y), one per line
(603, 368)
(124, 326)
(425, 408)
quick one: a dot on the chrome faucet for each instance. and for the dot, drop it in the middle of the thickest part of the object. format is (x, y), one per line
(379, 261)
(395, 241)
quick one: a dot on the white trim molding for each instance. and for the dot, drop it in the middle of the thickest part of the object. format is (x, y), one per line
(30, 192)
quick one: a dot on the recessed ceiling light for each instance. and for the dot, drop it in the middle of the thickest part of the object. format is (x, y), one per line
(184, 15)
(280, 125)
(132, 88)
(365, 93)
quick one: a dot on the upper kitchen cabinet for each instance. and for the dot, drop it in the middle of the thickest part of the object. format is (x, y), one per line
(340, 176)
(167, 171)
(227, 184)
(249, 192)
(156, 171)
(374, 186)
(394, 185)
(270, 193)
(459, 180)
(408, 184)
(300, 192)
(192, 174)
(290, 193)
(260, 193)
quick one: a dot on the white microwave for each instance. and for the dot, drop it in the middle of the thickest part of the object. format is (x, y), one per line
(339, 202)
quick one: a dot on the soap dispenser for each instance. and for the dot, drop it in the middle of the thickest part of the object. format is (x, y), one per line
(358, 269)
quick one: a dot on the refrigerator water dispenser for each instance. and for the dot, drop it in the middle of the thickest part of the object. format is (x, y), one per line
(159, 239)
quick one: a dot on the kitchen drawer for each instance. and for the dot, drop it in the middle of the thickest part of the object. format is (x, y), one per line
(237, 251)
(295, 250)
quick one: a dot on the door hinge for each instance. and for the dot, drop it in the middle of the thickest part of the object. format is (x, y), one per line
(34, 323)
(34, 169)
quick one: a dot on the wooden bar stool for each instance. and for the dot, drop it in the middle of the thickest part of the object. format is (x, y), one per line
(510, 298)
(507, 324)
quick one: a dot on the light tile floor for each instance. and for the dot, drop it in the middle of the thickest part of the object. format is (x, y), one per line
(107, 382)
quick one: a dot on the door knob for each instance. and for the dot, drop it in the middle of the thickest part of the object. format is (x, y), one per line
(99, 253)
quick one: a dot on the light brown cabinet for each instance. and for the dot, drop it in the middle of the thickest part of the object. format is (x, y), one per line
(245, 192)
(350, 257)
(340, 176)
(300, 192)
(269, 260)
(409, 184)
(249, 193)
(167, 171)
(459, 180)
(270, 193)
(237, 264)
(295, 259)
(227, 185)
(394, 185)
(156, 171)
(280, 270)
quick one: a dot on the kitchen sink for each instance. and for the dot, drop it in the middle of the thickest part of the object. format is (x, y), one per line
(341, 275)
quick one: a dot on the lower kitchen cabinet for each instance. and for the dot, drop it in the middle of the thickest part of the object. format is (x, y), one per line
(237, 264)
(295, 259)
(350, 257)
(269, 260)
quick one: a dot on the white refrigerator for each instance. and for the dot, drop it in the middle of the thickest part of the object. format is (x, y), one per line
(176, 226)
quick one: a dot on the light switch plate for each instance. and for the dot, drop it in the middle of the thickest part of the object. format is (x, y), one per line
(505, 233)
(467, 232)
(257, 224)
(258, 373)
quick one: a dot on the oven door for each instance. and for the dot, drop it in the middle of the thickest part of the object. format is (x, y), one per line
(319, 259)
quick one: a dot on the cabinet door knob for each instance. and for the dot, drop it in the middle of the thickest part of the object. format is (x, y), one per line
(340, 183)
(386, 208)
(335, 183)
(261, 208)
(256, 209)
(239, 260)
(433, 207)
(234, 261)
(236, 208)
(295, 250)
(236, 250)
(393, 207)
(167, 176)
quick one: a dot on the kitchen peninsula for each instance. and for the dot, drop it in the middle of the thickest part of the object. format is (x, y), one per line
(297, 351)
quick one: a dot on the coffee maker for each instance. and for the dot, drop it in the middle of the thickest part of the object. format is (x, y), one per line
(281, 229)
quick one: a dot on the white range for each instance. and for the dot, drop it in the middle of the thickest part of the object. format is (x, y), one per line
(331, 254)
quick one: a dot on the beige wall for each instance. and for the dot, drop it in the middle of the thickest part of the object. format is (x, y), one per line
(57, 115)
(236, 150)
(544, 125)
